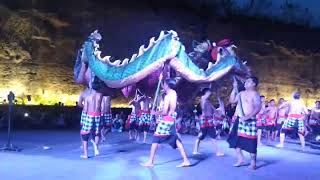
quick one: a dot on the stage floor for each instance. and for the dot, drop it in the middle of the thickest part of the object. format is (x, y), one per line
(120, 159)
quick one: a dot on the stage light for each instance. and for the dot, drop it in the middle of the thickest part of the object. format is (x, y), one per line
(26, 114)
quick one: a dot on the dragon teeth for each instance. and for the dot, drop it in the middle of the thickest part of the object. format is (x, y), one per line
(141, 50)
(161, 35)
(116, 63)
(210, 64)
(125, 61)
(106, 58)
(133, 57)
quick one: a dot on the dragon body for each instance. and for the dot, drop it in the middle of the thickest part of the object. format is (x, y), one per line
(148, 64)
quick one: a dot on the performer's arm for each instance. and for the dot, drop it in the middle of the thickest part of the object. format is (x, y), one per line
(314, 115)
(284, 105)
(234, 93)
(81, 77)
(81, 100)
(221, 105)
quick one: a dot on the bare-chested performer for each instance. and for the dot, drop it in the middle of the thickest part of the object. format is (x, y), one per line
(314, 121)
(165, 131)
(249, 104)
(91, 120)
(261, 119)
(207, 123)
(295, 120)
(282, 116)
(145, 117)
(272, 113)
(106, 116)
(134, 117)
(81, 104)
(219, 116)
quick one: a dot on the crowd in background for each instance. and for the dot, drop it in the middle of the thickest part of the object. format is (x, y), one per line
(63, 117)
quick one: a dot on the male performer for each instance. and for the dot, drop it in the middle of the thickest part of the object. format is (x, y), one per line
(295, 120)
(261, 118)
(165, 131)
(314, 121)
(219, 116)
(81, 103)
(106, 116)
(272, 112)
(145, 117)
(91, 120)
(249, 104)
(282, 116)
(206, 123)
(134, 117)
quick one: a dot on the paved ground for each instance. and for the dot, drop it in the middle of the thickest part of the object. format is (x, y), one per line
(120, 159)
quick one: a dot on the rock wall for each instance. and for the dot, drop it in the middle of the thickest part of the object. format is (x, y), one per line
(37, 48)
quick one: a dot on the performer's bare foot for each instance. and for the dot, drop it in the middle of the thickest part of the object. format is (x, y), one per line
(260, 144)
(303, 149)
(239, 163)
(279, 145)
(252, 167)
(219, 154)
(196, 153)
(95, 148)
(184, 164)
(96, 152)
(147, 164)
(83, 156)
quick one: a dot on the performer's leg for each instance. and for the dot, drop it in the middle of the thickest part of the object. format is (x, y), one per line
(179, 135)
(183, 153)
(275, 134)
(153, 151)
(199, 139)
(130, 134)
(103, 133)
(85, 138)
(240, 158)
(212, 133)
(145, 136)
(282, 138)
(216, 147)
(219, 134)
(253, 162)
(85, 149)
(96, 145)
(135, 134)
(302, 140)
(259, 132)
(268, 134)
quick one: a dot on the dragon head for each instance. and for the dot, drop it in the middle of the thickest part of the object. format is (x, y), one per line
(223, 48)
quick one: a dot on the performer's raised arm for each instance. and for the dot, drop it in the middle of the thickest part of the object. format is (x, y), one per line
(221, 104)
(82, 74)
(234, 93)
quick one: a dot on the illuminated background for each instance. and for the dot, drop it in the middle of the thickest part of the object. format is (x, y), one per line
(39, 40)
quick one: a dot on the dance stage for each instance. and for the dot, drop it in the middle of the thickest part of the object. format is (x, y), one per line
(56, 155)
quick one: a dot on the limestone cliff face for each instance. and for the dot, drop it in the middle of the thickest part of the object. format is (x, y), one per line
(37, 48)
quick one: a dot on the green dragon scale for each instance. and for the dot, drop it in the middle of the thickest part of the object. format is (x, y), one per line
(166, 49)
